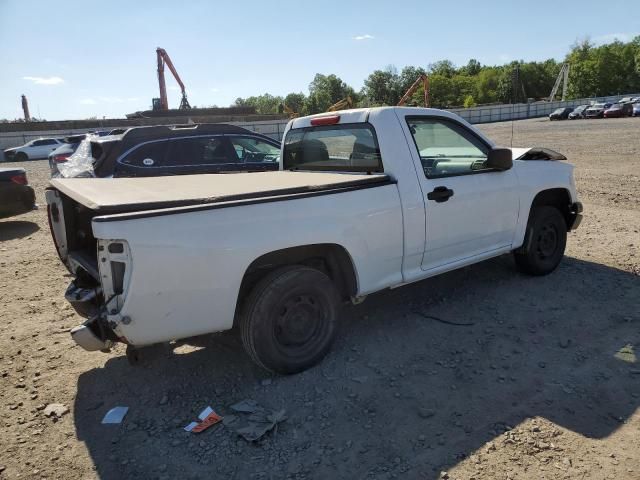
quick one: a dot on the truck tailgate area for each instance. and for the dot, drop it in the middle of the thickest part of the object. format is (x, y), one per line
(109, 195)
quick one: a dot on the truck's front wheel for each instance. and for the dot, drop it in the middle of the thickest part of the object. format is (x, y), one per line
(545, 242)
(289, 319)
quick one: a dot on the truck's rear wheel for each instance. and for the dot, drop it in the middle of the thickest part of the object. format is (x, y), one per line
(288, 322)
(545, 242)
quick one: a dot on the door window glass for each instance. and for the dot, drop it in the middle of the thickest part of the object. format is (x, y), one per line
(251, 150)
(198, 151)
(148, 156)
(447, 149)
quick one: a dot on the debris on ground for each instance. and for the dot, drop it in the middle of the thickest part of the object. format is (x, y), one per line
(115, 415)
(207, 418)
(55, 410)
(256, 423)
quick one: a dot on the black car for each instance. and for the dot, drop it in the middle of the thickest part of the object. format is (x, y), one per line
(174, 150)
(560, 113)
(579, 112)
(16, 196)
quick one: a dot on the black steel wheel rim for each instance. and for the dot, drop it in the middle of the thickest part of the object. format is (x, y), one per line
(300, 324)
(547, 241)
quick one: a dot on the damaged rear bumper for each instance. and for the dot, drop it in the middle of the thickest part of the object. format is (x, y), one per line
(86, 337)
(94, 334)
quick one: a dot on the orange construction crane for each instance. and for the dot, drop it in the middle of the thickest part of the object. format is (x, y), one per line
(25, 109)
(289, 111)
(422, 79)
(345, 103)
(162, 103)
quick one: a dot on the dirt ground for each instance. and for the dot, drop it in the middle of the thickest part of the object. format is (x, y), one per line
(544, 383)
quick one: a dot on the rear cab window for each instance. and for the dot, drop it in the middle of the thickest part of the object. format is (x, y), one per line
(350, 147)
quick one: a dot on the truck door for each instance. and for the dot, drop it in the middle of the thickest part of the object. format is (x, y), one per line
(471, 210)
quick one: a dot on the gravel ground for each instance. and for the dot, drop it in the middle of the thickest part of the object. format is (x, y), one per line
(545, 383)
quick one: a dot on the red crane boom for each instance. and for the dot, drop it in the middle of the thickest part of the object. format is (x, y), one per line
(25, 109)
(163, 57)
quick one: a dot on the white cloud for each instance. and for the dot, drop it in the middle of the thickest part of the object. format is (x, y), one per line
(504, 58)
(214, 89)
(133, 99)
(366, 36)
(175, 88)
(611, 37)
(88, 101)
(45, 80)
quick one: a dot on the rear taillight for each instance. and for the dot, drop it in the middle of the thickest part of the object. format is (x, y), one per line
(60, 158)
(19, 179)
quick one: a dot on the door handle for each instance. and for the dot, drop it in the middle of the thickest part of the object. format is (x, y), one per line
(440, 194)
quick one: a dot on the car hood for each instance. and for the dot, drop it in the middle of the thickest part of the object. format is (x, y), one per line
(11, 149)
(536, 153)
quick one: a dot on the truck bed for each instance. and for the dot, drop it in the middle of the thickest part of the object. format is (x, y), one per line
(106, 195)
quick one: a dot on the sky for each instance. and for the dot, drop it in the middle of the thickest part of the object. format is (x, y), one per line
(78, 60)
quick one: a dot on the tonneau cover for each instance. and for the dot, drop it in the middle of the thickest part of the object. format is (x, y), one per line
(149, 193)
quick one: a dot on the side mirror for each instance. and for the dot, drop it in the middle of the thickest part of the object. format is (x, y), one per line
(500, 158)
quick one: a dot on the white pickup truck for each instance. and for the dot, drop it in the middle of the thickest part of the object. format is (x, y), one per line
(365, 200)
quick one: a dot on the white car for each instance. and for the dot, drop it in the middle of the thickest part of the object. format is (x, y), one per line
(365, 200)
(33, 150)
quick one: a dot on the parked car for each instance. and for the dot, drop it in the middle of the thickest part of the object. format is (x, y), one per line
(597, 110)
(16, 196)
(354, 210)
(636, 109)
(579, 112)
(618, 110)
(32, 150)
(64, 151)
(177, 150)
(625, 100)
(560, 113)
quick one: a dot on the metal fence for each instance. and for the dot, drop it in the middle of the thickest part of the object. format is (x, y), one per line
(275, 128)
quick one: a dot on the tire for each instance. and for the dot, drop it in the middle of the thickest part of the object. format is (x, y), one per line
(21, 157)
(289, 320)
(545, 241)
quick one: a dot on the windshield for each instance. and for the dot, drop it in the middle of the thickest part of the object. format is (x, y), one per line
(615, 107)
(598, 105)
(559, 110)
(348, 147)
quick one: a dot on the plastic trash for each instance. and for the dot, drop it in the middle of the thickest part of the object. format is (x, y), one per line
(256, 422)
(115, 415)
(207, 418)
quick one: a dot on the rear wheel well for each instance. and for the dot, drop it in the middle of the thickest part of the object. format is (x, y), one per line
(329, 258)
(558, 198)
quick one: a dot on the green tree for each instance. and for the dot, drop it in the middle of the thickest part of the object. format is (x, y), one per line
(295, 101)
(446, 68)
(324, 91)
(472, 68)
(382, 87)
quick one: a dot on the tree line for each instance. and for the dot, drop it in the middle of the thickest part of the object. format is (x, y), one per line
(608, 69)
